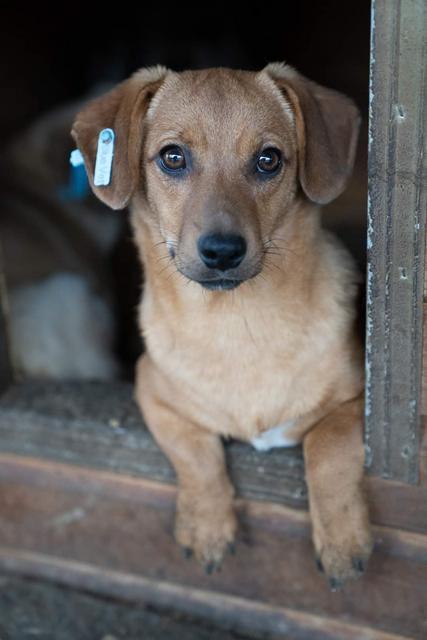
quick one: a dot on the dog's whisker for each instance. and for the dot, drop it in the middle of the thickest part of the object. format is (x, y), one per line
(279, 251)
(173, 273)
(157, 244)
(272, 252)
(270, 243)
(166, 257)
(268, 267)
(169, 264)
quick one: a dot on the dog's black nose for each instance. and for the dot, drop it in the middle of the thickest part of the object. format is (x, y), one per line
(220, 251)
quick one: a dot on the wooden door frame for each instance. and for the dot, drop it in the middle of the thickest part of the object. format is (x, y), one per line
(397, 197)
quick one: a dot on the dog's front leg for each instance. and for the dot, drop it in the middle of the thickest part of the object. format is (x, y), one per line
(334, 458)
(205, 521)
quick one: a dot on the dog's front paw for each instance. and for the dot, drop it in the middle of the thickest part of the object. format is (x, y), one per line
(205, 529)
(343, 547)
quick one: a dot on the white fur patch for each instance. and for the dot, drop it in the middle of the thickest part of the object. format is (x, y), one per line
(275, 437)
(61, 329)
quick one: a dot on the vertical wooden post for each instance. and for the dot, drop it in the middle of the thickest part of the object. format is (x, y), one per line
(396, 236)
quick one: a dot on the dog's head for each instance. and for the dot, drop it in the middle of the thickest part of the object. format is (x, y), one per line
(219, 157)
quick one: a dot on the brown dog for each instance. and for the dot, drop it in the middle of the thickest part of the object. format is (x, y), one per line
(225, 171)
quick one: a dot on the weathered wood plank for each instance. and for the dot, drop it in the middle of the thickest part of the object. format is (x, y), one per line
(397, 504)
(396, 236)
(101, 530)
(231, 613)
(424, 373)
(423, 453)
(97, 425)
(31, 607)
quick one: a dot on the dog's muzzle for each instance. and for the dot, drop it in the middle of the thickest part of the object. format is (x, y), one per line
(221, 253)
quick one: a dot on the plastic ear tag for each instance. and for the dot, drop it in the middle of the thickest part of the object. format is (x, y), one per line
(78, 185)
(76, 158)
(104, 158)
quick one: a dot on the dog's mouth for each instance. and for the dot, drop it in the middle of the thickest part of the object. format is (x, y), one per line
(216, 280)
(220, 284)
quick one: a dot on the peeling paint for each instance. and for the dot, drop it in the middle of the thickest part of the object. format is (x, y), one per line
(368, 456)
(368, 353)
(399, 113)
(403, 274)
(406, 452)
(370, 233)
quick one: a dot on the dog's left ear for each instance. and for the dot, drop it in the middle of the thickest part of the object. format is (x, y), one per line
(327, 127)
(123, 110)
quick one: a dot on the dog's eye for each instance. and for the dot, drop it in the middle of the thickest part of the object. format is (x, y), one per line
(172, 158)
(269, 161)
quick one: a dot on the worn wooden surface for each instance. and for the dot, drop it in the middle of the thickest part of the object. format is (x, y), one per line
(396, 236)
(106, 531)
(87, 494)
(424, 374)
(190, 614)
(34, 609)
(98, 425)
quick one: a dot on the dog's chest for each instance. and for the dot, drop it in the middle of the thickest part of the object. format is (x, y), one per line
(244, 376)
(281, 436)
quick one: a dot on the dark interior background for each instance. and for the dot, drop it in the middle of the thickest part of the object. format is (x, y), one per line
(55, 52)
(51, 54)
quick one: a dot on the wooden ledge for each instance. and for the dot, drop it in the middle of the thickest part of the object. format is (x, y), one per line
(97, 425)
(230, 612)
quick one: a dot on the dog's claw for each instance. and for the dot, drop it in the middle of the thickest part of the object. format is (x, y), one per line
(335, 584)
(319, 565)
(187, 552)
(212, 567)
(358, 565)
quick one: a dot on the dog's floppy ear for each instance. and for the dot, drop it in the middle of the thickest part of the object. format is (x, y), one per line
(121, 110)
(327, 126)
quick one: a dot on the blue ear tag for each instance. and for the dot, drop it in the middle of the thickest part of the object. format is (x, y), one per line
(78, 184)
(104, 158)
(76, 158)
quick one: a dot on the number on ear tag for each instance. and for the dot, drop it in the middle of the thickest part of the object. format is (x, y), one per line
(104, 158)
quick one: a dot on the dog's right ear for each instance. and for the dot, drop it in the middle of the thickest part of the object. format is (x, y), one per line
(123, 110)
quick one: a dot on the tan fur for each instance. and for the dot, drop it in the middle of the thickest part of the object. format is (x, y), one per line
(282, 345)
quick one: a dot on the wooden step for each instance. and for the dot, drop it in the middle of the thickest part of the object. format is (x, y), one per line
(202, 608)
(87, 499)
(98, 425)
(35, 609)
